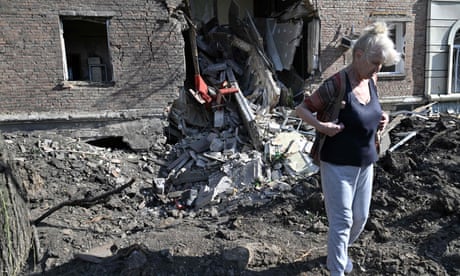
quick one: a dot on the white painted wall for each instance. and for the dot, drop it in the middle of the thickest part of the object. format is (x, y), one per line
(442, 18)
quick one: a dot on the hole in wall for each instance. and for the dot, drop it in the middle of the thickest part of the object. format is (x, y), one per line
(111, 142)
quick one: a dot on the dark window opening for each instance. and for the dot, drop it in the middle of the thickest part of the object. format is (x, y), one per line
(86, 49)
(391, 68)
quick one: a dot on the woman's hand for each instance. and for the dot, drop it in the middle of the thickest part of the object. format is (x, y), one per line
(331, 128)
(383, 121)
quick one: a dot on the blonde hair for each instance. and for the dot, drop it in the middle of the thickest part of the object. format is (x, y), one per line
(375, 42)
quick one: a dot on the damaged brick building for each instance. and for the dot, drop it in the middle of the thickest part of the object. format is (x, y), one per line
(89, 57)
(103, 59)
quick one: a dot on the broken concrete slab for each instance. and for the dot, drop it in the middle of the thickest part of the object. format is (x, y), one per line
(292, 149)
(179, 162)
(299, 163)
(247, 174)
(218, 184)
(200, 145)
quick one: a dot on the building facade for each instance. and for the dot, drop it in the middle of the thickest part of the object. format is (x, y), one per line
(442, 76)
(89, 57)
(97, 57)
(401, 84)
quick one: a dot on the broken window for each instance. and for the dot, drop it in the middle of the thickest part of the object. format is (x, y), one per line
(86, 52)
(397, 34)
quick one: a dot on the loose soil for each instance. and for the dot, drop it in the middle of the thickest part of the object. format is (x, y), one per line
(413, 228)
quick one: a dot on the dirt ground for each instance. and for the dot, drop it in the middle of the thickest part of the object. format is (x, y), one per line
(413, 229)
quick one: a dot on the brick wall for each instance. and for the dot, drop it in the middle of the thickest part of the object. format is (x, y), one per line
(146, 45)
(147, 49)
(339, 17)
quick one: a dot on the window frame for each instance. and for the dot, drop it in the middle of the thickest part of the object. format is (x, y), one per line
(106, 17)
(453, 42)
(456, 69)
(399, 28)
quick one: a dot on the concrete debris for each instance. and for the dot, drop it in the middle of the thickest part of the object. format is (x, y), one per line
(293, 148)
(179, 162)
(243, 139)
(159, 185)
(239, 67)
(247, 173)
(221, 162)
(228, 136)
(218, 185)
(200, 145)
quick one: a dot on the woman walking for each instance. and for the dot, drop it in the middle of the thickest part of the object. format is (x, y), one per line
(348, 153)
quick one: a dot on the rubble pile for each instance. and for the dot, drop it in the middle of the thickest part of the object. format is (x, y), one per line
(209, 219)
(235, 129)
(229, 188)
(223, 160)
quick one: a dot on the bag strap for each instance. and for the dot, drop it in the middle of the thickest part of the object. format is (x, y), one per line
(338, 100)
(320, 137)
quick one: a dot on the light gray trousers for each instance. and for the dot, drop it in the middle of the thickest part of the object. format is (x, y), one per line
(347, 194)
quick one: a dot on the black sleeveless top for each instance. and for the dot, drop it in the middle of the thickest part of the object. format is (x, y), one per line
(355, 145)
